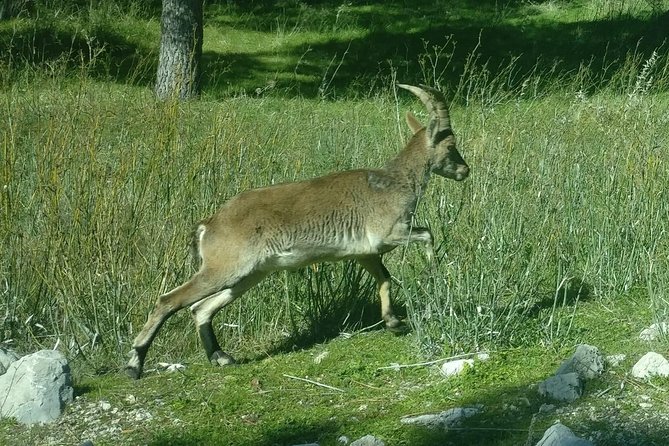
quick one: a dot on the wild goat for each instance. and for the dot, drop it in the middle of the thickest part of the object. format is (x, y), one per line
(357, 214)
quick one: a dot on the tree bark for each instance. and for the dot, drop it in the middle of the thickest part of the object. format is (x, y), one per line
(179, 62)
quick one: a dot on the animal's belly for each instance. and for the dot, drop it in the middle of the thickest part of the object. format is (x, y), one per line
(300, 257)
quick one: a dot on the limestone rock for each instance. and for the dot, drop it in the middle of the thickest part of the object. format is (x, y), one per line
(368, 440)
(451, 368)
(587, 361)
(443, 420)
(615, 360)
(560, 435)
(37, 387)
(654, 331)
(651, 364)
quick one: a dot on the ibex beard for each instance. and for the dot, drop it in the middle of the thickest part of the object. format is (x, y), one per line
(357, 214)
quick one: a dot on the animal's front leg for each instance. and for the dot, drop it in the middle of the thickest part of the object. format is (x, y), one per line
(423, 235)
(403, 234)
(375, 267)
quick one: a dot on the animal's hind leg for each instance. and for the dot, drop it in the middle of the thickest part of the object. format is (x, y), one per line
(197, 288)
(375, 267)
(204, 311)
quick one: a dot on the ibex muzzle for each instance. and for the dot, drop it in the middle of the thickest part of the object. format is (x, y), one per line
(357, 214)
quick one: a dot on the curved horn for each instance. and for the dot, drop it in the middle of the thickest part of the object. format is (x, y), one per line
(439, 125)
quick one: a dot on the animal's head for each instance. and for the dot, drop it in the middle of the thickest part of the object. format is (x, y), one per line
(445, 160)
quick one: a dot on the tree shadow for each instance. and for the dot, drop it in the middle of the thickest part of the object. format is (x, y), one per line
(510, 415)
(417, 44)
(442, 43)
(290, 433)
(514, 417)
(102, 52)
(569, 294)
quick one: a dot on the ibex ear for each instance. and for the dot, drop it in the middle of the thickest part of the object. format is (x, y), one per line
(413, 123)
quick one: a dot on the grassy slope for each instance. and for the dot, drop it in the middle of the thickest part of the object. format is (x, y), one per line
(568, 189)
(256, 403)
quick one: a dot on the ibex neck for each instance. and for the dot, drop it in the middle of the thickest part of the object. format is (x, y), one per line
(412, 167)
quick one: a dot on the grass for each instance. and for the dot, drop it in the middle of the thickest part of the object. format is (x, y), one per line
(558, 237)
(262, 403)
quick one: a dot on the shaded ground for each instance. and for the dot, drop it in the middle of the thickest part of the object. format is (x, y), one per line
(435, 42)
(331, 48)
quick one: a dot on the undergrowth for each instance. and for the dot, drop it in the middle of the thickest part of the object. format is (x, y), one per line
(101, 183)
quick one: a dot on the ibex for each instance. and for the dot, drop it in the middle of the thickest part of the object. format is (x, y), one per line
(357, 214)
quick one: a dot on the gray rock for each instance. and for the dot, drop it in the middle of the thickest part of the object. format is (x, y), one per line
(586, 361)
(654, 331)
(6, 358)
(546, 408)
(565, 387)
(560, 435)
(651, 364)
(37, 387)
(443, 420)
(368, 440)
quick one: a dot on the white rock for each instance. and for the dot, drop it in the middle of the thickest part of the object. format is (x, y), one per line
(171, 368)
(395, 366)
(36, 387)
(654, 331)
(651, 364)
(368, 440)
(142, 415)
(615, 360)
(451, 368)
(483, 356)
(443, 420)
(560, 435)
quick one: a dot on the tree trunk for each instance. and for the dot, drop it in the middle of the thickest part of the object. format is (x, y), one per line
(180, 50)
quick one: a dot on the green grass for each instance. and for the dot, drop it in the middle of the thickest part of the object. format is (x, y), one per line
(261, 403)
(525, 232)
(558, 236)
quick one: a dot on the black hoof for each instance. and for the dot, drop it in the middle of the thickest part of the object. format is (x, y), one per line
(221, 359)
(397, 327)
(133, 372)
